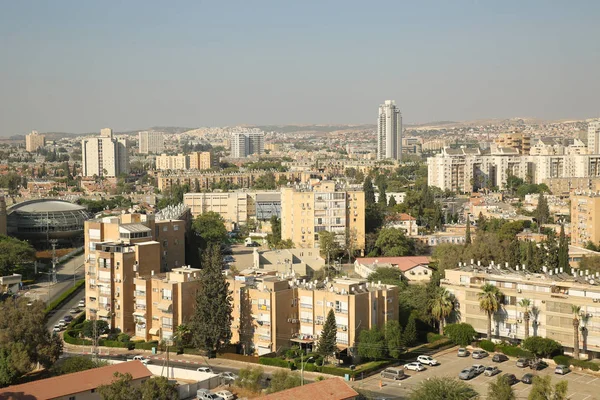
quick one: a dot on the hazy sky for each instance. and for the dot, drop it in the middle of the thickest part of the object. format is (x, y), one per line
(78, 66)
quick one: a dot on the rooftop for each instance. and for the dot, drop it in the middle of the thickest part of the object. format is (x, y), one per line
(45, 205)
(134, 228)
(402, 263)
(328, 389)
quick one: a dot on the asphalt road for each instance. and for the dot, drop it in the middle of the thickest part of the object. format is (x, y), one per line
(60, 312)
(64, 277)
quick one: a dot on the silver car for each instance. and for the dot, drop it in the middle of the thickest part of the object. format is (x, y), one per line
(478, 354)
(466, 374)
(491, 371)
(478, 368)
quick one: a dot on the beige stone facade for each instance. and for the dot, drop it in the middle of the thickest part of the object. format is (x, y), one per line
(178, 162)
(34, 141)
(585, 218)
(202, 160)
(518, 141)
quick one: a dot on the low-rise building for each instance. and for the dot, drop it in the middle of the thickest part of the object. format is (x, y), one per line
(414, 268)
(328, 389)
(302, 262)
(404, 221)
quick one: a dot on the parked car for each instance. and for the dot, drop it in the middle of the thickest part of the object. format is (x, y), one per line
(466, 374)
(427, 360)
(75, 310)
(523, 362)
(538, 365)
(478, 368)
(462, 352)
(491, 371)
(205, 394)
(57, 328)
(62, 323)
(527, 378)
(225, 394)
(68, 318)
(143, 359)
(478, 354)
(393, 373)
(414, 366)
(499, 357)
(205, 369)
(229, 376)
(81, 303)
(511, 379)
(562, 369)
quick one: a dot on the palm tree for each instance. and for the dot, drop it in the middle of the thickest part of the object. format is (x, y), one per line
(525, 304)
(575, 310)
(182, 335)
(585, 318)
(441, 305)
(489, 302)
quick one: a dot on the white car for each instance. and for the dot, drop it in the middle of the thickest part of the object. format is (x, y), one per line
(144, 360)
(81, 303)
(62, 323)
(478, 368)
(225, 394)
(205, 369)
(57, 328)
(229, 376)
(427, 360)
(414, 366)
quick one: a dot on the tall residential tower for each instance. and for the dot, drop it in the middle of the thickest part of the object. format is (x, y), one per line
(594, 136)
(104, 155)
(151, 142)
(389, 132)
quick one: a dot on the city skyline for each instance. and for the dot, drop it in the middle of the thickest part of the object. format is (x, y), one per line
(75, 67)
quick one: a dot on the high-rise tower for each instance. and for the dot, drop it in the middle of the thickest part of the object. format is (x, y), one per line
(389, 132)
(593, 136)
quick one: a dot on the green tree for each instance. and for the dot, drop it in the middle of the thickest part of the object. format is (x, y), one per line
(542, 389)
(530, 256)
(387, 276)
(514, 253)
(120, 388)
(372, 344)
(275, 229)
(328, 245)
(541, 347)
(525, 304)
(542, 211)
(382, 193)
(210, 228)
(468, 231)
(393, 242)
(441, 305)
(410, 332)
(392, 203)
(576, 310)
(159, 388)
(374, 217)
(500, 389)
(211, 322)
(369, 191)
(265, 182)
(10, 371)
(393, 339)
(489, 302)
(283, 380)
(87, 329)
(250, 378)
(461, 334)
(70, 365)
(438, 388)
(563, 250)
(13, 254)
(328, 339)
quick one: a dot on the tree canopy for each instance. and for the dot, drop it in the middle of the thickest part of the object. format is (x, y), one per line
(392, 242)
(372, 344)
(542, 389)
(461, 334)
(13, 254)
(210, 228)
(156, 388)
(443, 388)
(541, 347)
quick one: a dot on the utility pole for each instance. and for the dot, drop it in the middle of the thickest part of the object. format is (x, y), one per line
(53, 242)
(94, 338)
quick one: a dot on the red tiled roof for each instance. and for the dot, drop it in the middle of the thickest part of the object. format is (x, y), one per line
(403, 263)
(407, 217)
(71, 384)
(329, 389)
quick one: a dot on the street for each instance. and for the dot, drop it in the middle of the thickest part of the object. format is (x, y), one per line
(64, 275)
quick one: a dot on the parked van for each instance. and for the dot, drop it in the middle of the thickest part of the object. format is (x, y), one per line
(393, 373)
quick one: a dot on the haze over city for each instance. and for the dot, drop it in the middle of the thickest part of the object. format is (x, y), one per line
(78, 66)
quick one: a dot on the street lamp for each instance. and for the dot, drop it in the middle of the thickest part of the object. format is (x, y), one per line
(302, 363)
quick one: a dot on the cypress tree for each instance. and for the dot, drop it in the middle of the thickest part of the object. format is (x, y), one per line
(542, 212)
(514, 253)
(530, 261)
(369, 191)
(392, 202)
(468, 232)
(211, 323)
(383, 194)
(410, 332)
(328, 339)
(563, 250)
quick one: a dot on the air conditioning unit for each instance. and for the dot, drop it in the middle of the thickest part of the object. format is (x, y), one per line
(519, 290)
(344, 328)
(289, 320)
(295, 321)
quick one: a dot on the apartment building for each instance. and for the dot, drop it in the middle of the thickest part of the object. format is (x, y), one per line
(515, 140)
(204, 180)
(389, 131)
(552, 293)
(162, 302)
(104, 155)
(307, 209)
(151, 142)
(244, 144)
(202, 160)
(178, 162)
(593, 136)
(34, 141)
(585, 218)
(271, 313)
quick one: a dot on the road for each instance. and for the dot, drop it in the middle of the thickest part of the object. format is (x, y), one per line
(64, 275)
(64, 310)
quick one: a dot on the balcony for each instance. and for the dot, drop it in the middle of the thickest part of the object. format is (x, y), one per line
(306, 320)
(104, 280)
(306, 305)
(264, 307)
(139, 293)
(341, 311)
(140, 307)
(264, 338)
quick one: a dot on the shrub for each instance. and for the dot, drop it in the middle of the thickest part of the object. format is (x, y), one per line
(112, 343)
(433, 337)
(146, 345)
(487, 345)
(440, 343)
(462, 334)
(562, 360)
(72, 337)
(337, 371)
(69, 294)
(514, 351)
(123, 337)
(542, 346)
(585, 364)
(275, 362)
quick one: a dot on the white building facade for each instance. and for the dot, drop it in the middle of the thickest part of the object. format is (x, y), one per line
(389, 132)
(104, 155)
(151, 142)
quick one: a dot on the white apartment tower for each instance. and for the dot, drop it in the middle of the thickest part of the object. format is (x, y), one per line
(389, 132)
(244, 144)
(104, 155)
(151, 142)
(594, 136)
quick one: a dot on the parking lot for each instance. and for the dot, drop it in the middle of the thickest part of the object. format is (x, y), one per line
(581, 386)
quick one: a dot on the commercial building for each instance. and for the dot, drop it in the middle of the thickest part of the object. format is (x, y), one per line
(593, 136)
(552, 294)
(307, 209)
(389, 132)
(516, 140)
(151, 142)
(163, 302)
(104, 155)
(34, 141)
(585, 218)
(244, 144)
(174, 163)
(270, 313)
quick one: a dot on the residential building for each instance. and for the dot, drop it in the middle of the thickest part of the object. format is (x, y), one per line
(104, 155)
(437, 238)
(205, 180)
(202, 160)
(414, 268)
(516, 140)
(178, 162)
(270, 313)
(389, 132)
(150, 142)
(244, 144)
(34, 141)
(307, 209)
(564, 186)
(302, 262)
(162, 302)
(552, 294)
(593, 136)
(585, 218)
(81, 385)
(406, 222)
(328, 389)
(398, 196)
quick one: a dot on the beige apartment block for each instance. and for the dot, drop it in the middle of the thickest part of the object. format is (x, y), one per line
(552, 293)
(585, 218)
(271, 313)
(34, 141)
(203, 180)
(518, 141)
(178, 162)
(163, 302)
(307, 210)
(201, 160)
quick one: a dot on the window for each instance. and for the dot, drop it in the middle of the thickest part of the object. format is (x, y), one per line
(176, 227)
(165, 228)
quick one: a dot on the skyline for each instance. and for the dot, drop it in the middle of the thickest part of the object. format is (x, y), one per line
(74, 67)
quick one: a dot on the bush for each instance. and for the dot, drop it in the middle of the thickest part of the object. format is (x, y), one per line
(275, 362)
(72, 337)
(146, 345)
(77, 322)
(123, 337)
(440, 343)
(542, 346)
(66, 296)
(562, 360)
(487, 345)
(112, 343)
(566, 360)
(337, 371)
(433, 337)
(514, 351)
(462, 334)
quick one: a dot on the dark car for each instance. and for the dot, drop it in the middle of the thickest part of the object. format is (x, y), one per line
(68, 318)
(527, 378)
(511, 379)
(523, 362)
(538, 365)
(499, 358)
